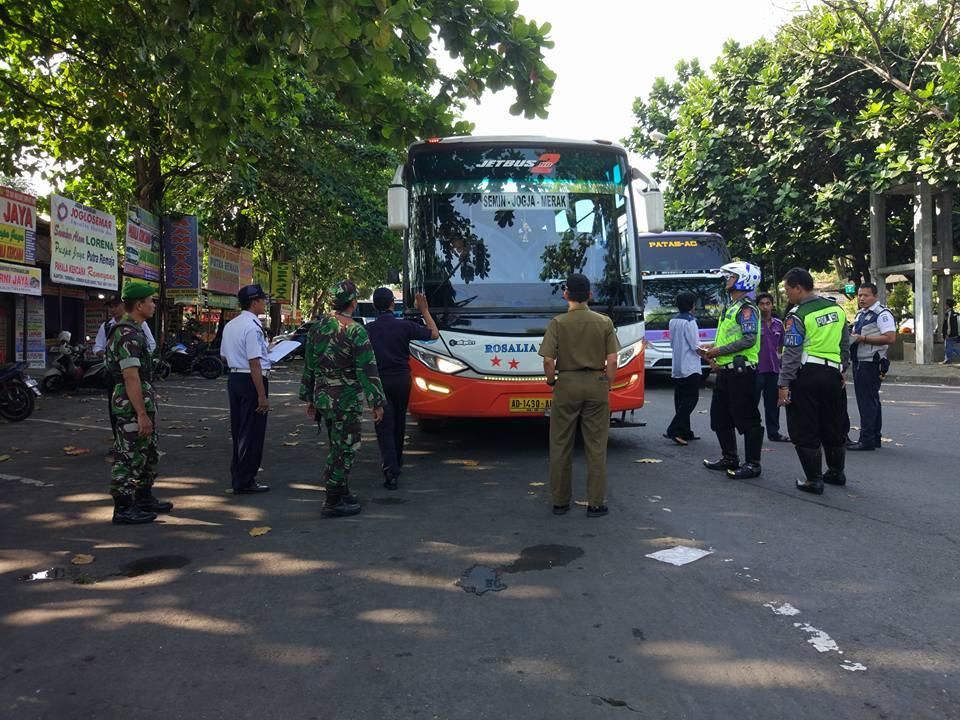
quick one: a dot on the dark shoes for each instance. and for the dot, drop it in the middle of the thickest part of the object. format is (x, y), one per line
(727, 462)
(126, 512)
(561, 509)
(858, 446)
(745, 472)
(390, 482)
(814, 486)
(597, 510)
(340, 503)
(779, 438)
(252, 489)
(145, 500)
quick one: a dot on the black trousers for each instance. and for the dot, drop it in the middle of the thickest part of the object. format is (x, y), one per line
(866, 383)
(686, 393)
(392, 429)
(768, 391)
(734, 404)
(817, 413)
(248, 428)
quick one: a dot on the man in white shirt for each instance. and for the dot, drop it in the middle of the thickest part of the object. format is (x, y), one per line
(115, 306)
(685, 369)
(874, 330)
(244, 351)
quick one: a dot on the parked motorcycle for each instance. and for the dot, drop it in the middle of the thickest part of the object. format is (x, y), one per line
(184, 360)
(17, 392)
(72, 370)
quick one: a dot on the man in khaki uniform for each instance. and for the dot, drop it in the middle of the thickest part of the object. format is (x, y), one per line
(581, 348)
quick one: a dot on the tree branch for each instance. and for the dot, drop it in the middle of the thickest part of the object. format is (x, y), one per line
(848, 75)
(17, 88)
(933, 43)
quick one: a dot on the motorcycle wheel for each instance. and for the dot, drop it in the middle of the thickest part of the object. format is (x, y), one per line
(16, 401)
(210, 367)
(52, 383)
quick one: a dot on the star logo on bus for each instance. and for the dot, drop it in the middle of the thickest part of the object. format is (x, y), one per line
(495, 361)
(514, 364)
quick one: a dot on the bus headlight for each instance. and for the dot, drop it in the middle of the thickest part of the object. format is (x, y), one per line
(446, 365)
(628, 353)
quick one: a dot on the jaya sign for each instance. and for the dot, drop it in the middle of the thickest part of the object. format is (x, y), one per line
(223, 268)
(182, 255)
(84, 243)
(18, 225)
(19, 279)
(142, 255)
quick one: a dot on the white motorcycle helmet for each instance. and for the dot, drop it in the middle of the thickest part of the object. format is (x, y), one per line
(747, 275)
(64, 337)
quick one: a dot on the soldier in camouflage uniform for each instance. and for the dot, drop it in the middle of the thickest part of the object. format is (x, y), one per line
(134, 405)
(339, 371)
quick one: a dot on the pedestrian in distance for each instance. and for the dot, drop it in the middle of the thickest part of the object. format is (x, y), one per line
(116, 310)
(685, 368)
(735, 355)
(816, 350)
(340, 370)
(244, 352)
(768, 369)
(874, 330)
(951, 332)
(579, 353)
(134, 405)
(390, 337)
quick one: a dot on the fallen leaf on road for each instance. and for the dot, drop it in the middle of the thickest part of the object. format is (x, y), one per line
(195, 445)
(73, 450)
(262, 530)
(4, 458)
(537, 484)
(471, 463)
(648, 460)
(81, 559)
(293, 434)
(886, 440)
(581, 503)
(291, 443)
(206, 429)
(915, 414)
(898, 444)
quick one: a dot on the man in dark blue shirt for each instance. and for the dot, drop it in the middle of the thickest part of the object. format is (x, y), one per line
(390, 337)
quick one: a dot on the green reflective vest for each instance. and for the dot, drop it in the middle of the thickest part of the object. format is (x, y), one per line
(729, 331)
(822, 322)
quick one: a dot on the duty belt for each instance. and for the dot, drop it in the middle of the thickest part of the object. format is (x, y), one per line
(729, 366)
(246, 371)
(813, 360)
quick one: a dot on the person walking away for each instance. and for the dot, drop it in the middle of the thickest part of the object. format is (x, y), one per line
(579, 353)
(134, 405)
(340, 370)
(736, 352)
(244, 352)
(874, 330)
(951, 331)
(816, 350)
(685, 368)
(768, 369)
(390, 338)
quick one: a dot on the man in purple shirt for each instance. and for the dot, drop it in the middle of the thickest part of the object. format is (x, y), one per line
(771, 345)
(390, 337)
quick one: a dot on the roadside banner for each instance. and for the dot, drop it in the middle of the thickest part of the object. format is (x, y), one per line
(262, 278)
(36, 348)
(181, 256)
(84, 245)
(20, 279)
(246, 268)
(281, 285)
(18, 226)
(142, 252)
(223, 268)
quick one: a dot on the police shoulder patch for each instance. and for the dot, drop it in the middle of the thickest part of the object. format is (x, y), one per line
(748, 320)
(793, 332)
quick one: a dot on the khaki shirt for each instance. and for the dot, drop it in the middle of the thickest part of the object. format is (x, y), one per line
(580, 339)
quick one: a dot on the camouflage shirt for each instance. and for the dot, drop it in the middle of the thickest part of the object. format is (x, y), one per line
(127, 348)
(340, 367)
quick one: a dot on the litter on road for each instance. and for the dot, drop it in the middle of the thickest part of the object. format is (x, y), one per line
(679, 555)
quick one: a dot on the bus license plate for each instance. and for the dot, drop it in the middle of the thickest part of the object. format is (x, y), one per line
(529, 405)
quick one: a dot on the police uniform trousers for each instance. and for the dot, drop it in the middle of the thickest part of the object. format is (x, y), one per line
(579, 395)
(817, 413)
(734, 408)
(866, 383)
(248, 428)
(391, 431)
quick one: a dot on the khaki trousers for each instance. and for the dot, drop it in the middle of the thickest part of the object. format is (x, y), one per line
(580, 395)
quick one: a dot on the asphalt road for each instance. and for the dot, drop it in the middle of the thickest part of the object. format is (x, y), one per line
(361, 618)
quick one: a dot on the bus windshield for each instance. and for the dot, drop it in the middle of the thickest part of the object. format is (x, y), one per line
(500, 228)
(660, 295)
(676, 252)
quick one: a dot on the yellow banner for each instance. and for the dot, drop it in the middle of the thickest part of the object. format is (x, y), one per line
(281, 285)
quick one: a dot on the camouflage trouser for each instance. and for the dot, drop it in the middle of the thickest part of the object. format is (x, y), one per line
(134, 458)
(343, 431)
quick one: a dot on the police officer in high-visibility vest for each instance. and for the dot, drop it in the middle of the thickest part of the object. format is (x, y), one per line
(735, 355)
(816, 350)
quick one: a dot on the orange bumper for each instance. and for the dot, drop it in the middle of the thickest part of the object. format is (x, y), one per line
(436, 395)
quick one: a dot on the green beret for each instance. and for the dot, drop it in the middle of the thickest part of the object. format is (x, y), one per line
(344, 292)
(137, 291)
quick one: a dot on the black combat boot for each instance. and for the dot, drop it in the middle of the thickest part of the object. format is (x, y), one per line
(340, 503)
(728, 446)
(390, 480)
(148, 503)
(126, 512)
(836, 460)
(753, 444)
(812, 462)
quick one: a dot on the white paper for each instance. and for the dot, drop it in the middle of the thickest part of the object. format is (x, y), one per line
(679, 555)
(282, 349)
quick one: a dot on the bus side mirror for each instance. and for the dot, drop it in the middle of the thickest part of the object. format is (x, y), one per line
(398, 203)
(652, 203)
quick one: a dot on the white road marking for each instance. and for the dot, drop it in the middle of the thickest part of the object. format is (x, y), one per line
(25, 481)
(785, 609)
(852, 666)
(96, 427)
(819, 639)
